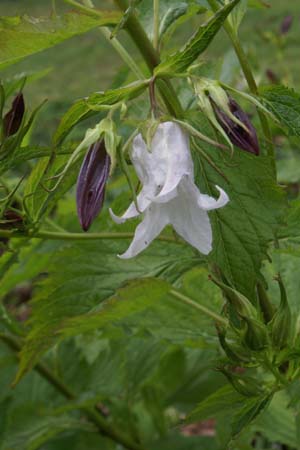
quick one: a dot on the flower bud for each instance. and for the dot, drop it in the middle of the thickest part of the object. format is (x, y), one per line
(286, 24)
(281, 322)
(264, 303)
(240, 303)
(244, 385)
(91, 183)
(13, 118)
(243, 137)
(234, 354)
(256, 335)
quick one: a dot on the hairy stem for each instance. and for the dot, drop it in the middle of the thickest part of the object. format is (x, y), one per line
(123, 53)
(152, 59)
(155, 24)
(43, 234)
(242, 57)
(208, 312)
(86, 9)
(103, 426)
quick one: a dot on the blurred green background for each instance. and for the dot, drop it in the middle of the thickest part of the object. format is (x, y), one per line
(88, 63)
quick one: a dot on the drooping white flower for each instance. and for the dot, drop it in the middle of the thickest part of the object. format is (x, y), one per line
(169, 194)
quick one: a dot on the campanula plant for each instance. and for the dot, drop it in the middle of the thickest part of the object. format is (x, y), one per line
(149, 251)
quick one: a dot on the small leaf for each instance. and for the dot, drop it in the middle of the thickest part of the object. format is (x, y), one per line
(182, 59)
(284, 103)
(93, 104)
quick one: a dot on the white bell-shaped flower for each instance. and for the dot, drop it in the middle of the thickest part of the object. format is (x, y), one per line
(169, 194)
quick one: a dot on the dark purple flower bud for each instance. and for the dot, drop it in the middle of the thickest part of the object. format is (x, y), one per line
(286, 24)
(13, 119)
(238, 135)
(272, 76)
(91, 184)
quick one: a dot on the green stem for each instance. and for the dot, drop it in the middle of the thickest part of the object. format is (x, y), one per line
(188, 301)
(54, 7)
(242, 57)
(280, 378)
(86, 9)
(103, 426)
(156, 24)
(74, 236)
(151, 58)
(123, 53)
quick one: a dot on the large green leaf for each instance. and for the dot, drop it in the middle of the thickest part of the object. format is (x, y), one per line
(92, 272)
(278, 422)
(243, 229)
(223, 401)
(228, 403)
(182, 59)
(38, 429)
(94, 103)
(24, 36)
(284, 103)
(251, 409)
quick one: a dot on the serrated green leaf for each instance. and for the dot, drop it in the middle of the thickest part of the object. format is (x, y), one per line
(284, 103)
(182, 59)
(250, 410)
(243, 229)
(133, 298)
(223, 401)
(278, 422)
(27, 260)
(40, 430)
(24, 36)
(92, 105)
(93, 272)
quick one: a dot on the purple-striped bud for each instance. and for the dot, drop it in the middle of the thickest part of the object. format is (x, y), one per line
(91, 184)
(246, 140)
(286, 24)
(13, 118)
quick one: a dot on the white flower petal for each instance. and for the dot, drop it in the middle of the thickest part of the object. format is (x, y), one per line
(170, 147)
(143, 202)
(208, 203)
(141, 159)
(154, 222)
(189, 221)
